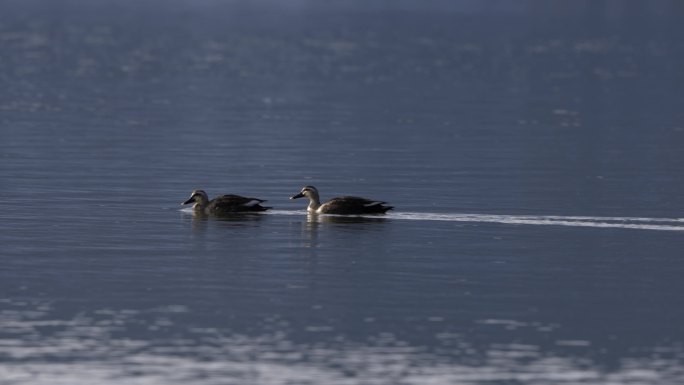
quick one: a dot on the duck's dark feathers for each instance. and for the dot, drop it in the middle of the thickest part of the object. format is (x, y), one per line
(232, 203)
(350, 205)
(223, 204)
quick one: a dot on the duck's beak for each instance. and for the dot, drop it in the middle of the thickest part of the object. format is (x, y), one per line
(192, 199)
(300, 195)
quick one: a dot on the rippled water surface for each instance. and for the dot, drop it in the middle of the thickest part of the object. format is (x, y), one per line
(534, 156)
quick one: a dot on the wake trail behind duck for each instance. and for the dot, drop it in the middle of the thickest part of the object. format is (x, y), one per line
(640, 223)
(637, 223)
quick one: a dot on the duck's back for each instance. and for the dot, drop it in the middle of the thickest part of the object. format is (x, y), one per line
(232, 203)
(351, 205)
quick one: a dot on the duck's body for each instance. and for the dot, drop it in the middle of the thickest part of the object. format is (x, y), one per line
(223, 204)
(345, 205)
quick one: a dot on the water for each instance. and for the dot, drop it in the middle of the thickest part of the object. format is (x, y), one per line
(533, 155)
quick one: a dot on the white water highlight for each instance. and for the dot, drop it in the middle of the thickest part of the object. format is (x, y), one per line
(663, 224)
(637, 223)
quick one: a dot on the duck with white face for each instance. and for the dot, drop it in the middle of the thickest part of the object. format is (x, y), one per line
(223, 204)
(344, 205)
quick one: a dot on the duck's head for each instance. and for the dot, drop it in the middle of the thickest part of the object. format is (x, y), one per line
(197, 197)
(307, 191)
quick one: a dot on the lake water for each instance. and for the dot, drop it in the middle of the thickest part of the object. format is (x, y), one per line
(534, 157)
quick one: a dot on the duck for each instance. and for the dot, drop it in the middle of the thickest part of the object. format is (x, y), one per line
(344, 205)
(223, 204)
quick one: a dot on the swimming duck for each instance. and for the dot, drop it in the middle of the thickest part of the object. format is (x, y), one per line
(223, 204)
(345, 205)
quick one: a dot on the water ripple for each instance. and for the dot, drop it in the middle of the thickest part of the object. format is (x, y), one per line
(638, 223)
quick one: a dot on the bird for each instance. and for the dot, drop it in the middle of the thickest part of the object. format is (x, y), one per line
(345, 205)
(223, 204)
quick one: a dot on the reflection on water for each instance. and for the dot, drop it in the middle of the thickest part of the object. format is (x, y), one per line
(328, 218)
(200, 222)
(228, 217)
(93, 348)
(315, 223)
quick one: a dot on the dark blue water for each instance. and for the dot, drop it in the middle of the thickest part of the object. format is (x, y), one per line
(533, 153)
